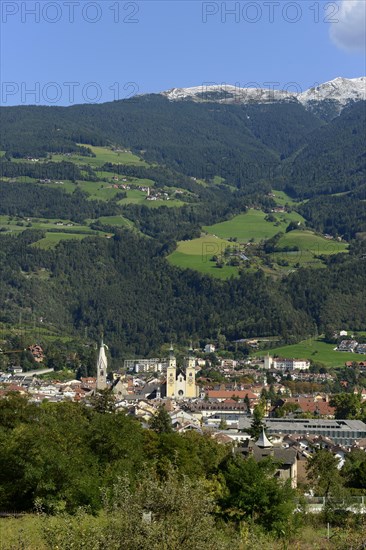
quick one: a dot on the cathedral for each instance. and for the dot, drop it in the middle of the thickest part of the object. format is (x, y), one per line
(181, 383)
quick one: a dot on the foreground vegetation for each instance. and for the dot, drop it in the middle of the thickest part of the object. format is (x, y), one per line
(39, 532)
(94, 479)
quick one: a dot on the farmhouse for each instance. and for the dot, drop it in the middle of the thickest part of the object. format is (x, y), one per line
(347, 345)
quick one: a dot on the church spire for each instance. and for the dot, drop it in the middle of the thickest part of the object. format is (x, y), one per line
(263, 442)
(102, 367)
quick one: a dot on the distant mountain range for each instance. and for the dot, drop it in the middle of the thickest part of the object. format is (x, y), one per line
(314, 142)
(336, 94)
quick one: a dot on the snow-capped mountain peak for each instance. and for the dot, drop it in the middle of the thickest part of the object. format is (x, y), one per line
(340, 89)
(338, 92)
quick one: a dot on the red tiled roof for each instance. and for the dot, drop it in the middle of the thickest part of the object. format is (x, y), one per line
(309, 405)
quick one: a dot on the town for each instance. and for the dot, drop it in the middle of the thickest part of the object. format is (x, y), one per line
(298, 412)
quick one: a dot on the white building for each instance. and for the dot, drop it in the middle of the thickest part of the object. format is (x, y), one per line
(210, 348)
(285, 364)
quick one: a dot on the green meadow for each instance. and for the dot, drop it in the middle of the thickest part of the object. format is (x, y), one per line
(252, 226)
(118, 221)
(102, 155)
(196, 254)
(135, 196)
(69, 230)
(20, 224)
(281, 198)
(310, 246)
(315, 350)
(52, 239)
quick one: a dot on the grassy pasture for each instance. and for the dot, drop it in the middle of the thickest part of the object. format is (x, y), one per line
(252, 225)
(316, 350)
(42, 223)
(102, 155)
(52, 239)
(196, 254)
(281, 198)
(310, 246)
(118, 221)
(135, 196)
(172, 203)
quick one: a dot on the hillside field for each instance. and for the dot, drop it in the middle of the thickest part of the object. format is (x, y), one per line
(102, 155)
(196, 254)
(252, 225)
(310, 246)
(315, 350)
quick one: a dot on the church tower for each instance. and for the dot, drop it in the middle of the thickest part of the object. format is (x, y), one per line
(102, 368)
(171, 374)
(191, 390)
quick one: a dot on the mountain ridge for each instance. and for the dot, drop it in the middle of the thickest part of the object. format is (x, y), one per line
(339, 91)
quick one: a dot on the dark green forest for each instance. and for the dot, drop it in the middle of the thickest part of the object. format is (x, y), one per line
(241, 143)
(125, 287)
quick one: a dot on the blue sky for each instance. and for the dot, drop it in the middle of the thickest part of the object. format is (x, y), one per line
(77, 51)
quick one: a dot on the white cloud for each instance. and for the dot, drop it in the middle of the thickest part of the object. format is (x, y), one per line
(348, 25)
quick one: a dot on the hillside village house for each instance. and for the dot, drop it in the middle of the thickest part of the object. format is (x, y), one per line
(347, 345)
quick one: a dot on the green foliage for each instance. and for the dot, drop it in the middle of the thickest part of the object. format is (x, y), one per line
(103, 401)
(172, 513)
(338, 216)
(333, 159)
(93, 284)
(347, 405)
(354, 469)
(161, 422)
(255, 494)
(33, 200)
(323, 473)
(257, 424)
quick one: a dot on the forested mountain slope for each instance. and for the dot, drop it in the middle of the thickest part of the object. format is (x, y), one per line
(124, 285)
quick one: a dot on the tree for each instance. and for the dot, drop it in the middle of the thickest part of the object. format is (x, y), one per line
(354, 469)
(247, 402)
(161, 422)
(223, 424)
(347, 405)
(254, 493)
(257, 424)
(323, 473)
(171, 513)
(103, 401)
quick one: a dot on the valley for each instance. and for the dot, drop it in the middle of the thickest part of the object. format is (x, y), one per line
(219, 200)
